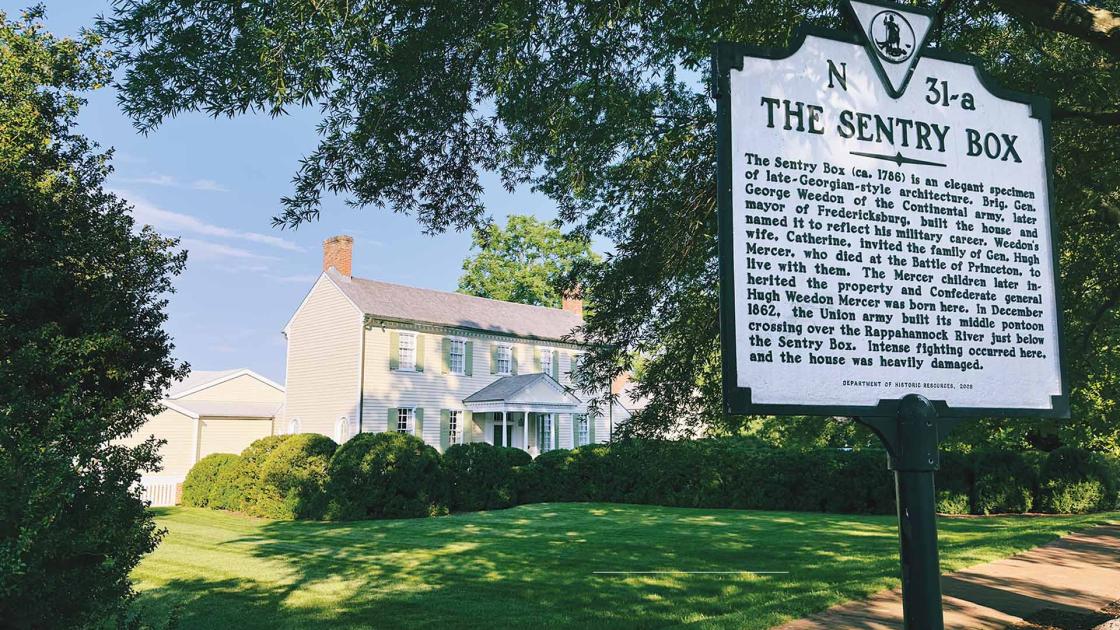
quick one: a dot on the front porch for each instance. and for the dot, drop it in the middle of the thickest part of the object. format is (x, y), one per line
(526, 412)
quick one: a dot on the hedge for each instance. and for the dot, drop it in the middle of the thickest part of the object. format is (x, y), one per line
(386, 475)
(202, 476)
(238, 488)
(293, 478)
(481, 476)
(731, 473)
(392, 475)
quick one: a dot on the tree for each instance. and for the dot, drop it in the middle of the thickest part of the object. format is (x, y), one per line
(83, 357)
(604, 107)
(528, 262)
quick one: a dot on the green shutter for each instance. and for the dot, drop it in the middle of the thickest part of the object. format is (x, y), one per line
(493, 358)
(420, 352)
(556, 364)
(394, 350)
(391, 424)
(537, 359)
(555, 430)
(446, 355)
(468, 359)
(513, 360)
(444, 429)
(575, 430)
(418, 418)
(591, 429)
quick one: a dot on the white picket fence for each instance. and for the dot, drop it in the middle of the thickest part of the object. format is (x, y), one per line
(160, 490)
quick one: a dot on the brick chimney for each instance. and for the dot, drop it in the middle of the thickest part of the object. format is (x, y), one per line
(338, 252)
(572, 302)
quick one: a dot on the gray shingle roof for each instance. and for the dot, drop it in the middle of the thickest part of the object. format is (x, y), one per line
(196, 378)
(507, 387)
(398, 302)
(230, 409)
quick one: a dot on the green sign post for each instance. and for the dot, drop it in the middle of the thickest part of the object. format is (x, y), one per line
(886, 248)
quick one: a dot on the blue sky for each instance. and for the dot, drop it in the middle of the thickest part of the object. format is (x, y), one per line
(216, 183)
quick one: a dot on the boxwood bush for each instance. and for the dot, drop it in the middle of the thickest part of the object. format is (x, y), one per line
(294, 478)
(238, 487)
(481, 476)
(1003, 481)
(202, 476)
(386, 475)
(1075, 481)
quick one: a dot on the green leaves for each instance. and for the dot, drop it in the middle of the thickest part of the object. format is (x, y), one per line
(528, 261)
(603, 107)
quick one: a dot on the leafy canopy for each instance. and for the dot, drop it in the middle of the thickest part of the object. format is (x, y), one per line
(83, 356)
(529, 261)
(603, 107)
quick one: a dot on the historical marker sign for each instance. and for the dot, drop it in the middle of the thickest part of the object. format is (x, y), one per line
(885, 228)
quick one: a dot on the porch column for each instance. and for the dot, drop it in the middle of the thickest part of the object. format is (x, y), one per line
(525, 433)
(505, 438)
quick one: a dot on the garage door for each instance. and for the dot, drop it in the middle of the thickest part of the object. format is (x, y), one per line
(231, 435)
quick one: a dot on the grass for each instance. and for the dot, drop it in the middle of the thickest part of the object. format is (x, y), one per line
(535, 565)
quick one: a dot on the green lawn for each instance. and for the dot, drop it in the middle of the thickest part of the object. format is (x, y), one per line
(535, 565)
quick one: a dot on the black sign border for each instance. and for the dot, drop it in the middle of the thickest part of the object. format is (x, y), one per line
(727, 56)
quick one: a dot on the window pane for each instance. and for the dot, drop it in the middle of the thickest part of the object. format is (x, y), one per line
(407, 352)
(453, 427)
(404, 420)
(458, 356)
(505, 356)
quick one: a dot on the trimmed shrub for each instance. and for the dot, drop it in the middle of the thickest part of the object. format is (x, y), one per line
(386, 475)
(1075, 481)
(953, 484)
(1003, 482)
(200, 480)
(481, 477)
(294, 478)
(238, 487)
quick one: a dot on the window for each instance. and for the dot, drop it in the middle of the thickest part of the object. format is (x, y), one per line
(293, 426)
(458, 358)
(404, 420)
(545, 434)
(583, 430)
(505, 359)
(407, 351)
(547, 362)
(454, 427)
(342, 430)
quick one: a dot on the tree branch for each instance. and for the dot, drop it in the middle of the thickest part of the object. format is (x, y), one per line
(1095, 25)
(1100, 118)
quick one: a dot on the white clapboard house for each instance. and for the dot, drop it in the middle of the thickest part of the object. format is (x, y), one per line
(370, 356)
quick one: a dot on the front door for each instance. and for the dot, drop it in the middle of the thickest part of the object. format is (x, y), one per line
(498, 431)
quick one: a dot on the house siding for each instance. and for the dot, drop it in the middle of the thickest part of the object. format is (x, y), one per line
(231, 435)
(324, 341)
(178, 429)
(239, 388)
(432, 390)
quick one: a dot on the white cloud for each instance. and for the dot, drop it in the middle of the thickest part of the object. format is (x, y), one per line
(145, 212)
(298, 278)
(173, 182)
(209, 251)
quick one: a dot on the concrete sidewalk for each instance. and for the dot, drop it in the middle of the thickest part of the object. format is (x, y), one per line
(1076, 574)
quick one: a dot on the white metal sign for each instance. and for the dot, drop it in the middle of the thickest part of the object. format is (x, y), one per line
(885, 228)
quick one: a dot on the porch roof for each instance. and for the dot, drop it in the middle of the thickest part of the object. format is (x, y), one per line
(524, 391)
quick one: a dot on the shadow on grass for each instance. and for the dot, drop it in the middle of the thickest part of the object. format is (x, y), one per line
(541, 565)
